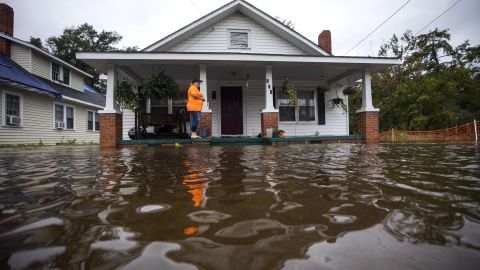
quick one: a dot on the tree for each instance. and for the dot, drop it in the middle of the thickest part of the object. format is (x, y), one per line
(84, 38)
(37, 42)
(437, 86)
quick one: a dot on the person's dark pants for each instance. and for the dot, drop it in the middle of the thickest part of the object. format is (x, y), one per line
(195, 117)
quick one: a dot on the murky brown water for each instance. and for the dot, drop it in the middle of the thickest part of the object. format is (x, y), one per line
(336, 206)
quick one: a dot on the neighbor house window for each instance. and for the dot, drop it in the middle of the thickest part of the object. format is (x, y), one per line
(60, 74)
(12, 109)
(238, 39)
(55, 72)
(93, 121)
(64, 116)
(303, 111)
(66, 75)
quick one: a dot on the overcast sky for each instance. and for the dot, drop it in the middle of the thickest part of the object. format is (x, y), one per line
(143, 22)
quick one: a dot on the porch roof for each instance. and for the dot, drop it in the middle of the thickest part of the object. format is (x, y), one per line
(336, 67)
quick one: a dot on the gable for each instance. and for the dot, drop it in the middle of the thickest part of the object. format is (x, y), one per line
(217, 39)
(249, 11)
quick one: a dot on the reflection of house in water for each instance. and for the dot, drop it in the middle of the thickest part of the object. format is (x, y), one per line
(277, 220)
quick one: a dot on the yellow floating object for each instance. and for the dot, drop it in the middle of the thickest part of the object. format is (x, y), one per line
(177, 145)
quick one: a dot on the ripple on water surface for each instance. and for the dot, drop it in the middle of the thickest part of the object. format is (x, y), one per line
(241, 207)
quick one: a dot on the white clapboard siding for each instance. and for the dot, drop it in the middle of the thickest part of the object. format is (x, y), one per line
(76, 81)
(216, 39)
(41, 66)
(22, 56)
(38, 123)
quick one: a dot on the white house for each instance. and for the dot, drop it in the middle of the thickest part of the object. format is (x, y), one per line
(42, 98)
(243, 55)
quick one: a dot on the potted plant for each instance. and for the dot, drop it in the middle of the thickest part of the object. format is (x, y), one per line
(289, 91)
(349, 90)
(337, 102)
(323, 87)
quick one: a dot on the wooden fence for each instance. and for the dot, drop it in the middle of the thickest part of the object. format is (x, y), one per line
(463, 133)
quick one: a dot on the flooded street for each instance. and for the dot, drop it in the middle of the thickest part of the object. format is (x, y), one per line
(330, 206)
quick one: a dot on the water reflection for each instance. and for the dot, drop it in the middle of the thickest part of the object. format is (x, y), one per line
(249, 207)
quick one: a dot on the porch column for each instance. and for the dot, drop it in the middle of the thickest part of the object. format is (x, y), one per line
(269, 117)
(205, 122)
(110, 116)
(367, 117)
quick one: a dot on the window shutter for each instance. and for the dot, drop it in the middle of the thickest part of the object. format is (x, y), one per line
(321, 107)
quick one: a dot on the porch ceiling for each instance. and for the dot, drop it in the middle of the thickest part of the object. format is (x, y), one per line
(238, 66)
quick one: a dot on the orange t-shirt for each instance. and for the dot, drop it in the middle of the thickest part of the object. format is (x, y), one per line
(195, 101)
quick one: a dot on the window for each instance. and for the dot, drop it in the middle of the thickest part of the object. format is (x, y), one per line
(93, 121)
(64, 116)
(306, 106)
(60, 74)
(69, 117)
(305, 110)
(286, 108)
(238, 39)
(12, 109)
(55, 72)
(66, 75)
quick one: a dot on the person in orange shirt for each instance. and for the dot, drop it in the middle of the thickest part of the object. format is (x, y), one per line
(194, 105)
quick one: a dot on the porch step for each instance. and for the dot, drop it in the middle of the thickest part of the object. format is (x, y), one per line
(246, 141)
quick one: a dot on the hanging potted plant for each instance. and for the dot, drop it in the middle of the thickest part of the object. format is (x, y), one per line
(323, 87)
(337, 102)
(349, 90)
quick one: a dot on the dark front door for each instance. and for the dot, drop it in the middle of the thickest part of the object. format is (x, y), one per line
(232, 110)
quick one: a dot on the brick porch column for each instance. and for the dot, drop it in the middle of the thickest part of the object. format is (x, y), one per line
(206, 122)
(269, 120)
(110, 129)
(367, 122)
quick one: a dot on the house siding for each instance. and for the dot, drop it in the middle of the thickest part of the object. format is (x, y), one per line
(76, 81)
(41, 66)
(38, 122)
(216, 39)
(22, 56)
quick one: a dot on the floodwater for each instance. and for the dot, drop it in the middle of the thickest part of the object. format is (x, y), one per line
(327, 206)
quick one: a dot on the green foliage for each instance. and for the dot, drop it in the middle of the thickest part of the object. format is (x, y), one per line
(437, 86)
(350, 90)
(160, 85)
(323, 87)
(288, 90)
(125, 96)
(37, 42)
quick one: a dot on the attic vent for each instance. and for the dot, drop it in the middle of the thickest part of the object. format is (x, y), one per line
(239, 39)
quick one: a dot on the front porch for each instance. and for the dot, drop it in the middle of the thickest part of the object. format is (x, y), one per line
(245, 141)
(242, 91)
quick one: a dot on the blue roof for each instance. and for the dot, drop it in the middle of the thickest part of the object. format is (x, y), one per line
(11, 73)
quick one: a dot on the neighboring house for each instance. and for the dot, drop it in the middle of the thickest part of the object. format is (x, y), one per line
(243, 55)
(42, 98)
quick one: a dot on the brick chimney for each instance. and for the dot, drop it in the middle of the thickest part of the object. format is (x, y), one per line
(325, 40)
(6, 26)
